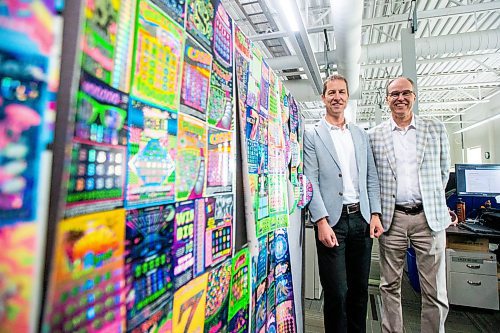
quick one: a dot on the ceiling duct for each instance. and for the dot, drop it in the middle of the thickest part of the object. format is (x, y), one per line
(457, 43)
(347, 17)
(429, 46)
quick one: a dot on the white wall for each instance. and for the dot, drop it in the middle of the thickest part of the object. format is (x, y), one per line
(483, 136)
(295, 239)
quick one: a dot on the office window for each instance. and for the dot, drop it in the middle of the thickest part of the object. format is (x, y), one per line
(474, 155)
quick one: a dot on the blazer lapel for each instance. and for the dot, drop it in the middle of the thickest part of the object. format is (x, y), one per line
(357, 141)
(324, 135)
(389, 145)
(421, 139)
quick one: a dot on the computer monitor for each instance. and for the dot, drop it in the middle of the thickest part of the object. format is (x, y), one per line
(478, 179)
(452, 182)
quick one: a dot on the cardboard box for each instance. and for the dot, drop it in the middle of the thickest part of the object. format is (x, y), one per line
(465, 243)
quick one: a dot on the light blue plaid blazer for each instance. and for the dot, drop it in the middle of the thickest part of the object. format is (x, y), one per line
(433, 158)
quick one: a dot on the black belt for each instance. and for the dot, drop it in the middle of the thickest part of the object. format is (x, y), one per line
(350, 208)
(412, 210)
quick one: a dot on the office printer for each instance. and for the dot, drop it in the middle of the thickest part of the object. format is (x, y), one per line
(491, 218)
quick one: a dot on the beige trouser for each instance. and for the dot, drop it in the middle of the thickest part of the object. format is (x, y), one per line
(430, 252)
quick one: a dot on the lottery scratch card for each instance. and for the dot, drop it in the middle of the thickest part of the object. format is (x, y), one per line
(241, 65)
(176, 9)
(276, 148)
(220, 110)
(273, 96)
(220, 113)
(96, 178)
(148, 260)
(294, 132)
(195, 80)
(199, 21)
(28, 25)
(17, 273)
(262, 260)
(99, 38)
(191, 158)
(189, 306)
(253, 120)
(22, 106)
(122, 63)
(220, 161)
(271, 285)
(219, 229)
(158, 322)
(294, 117)
(184, 239)
(278, 202)
(285, 316)
(285, 310)
(216, 308)
(152, 149)
(263, 196)
(254, 79)
(101, 112)
(223, 37)
(158, 58)
(202, 214)
(260, 307)
(239, 298)
(242, 43)
(87, 290)
(264, 89)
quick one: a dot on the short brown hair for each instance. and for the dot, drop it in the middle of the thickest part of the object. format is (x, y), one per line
(334, 77)
(399, 77)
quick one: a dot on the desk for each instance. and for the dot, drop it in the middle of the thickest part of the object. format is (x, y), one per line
(456, 231)
(471, 270)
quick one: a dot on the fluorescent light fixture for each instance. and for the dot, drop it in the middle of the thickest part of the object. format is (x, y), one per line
(482, 122)
(289, 12)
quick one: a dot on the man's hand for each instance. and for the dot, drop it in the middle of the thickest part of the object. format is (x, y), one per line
(326, 235)
(376, 228)
(453, 217)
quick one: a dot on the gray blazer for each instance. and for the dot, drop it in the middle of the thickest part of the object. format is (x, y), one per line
(321, 167)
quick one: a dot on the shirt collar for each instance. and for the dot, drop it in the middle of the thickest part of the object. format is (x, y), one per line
(395, 127)
(334, 127)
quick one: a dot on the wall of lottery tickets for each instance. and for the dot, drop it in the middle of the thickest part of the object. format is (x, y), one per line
(144, 239)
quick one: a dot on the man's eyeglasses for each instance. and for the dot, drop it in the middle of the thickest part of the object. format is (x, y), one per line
(395, 94)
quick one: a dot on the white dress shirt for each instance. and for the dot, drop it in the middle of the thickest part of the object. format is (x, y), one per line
(344, 146)
(405, 149)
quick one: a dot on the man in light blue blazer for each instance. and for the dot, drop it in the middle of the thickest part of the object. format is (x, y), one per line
(345, 209)
(412, 158)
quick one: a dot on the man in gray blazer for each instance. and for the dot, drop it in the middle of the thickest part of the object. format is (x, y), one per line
(344, 208)
(412, 158)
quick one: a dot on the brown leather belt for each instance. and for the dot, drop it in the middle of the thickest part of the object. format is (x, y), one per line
(412, 210)
(350, 208)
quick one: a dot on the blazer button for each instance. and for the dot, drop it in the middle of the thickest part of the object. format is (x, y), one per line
(340, 193)
(393, 195)
(340, 175)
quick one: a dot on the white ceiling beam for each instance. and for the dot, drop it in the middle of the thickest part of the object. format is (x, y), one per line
(299, 40)
(270, 35)
(465, 93)
(428, 14)
(458, 3)
(482, 64)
